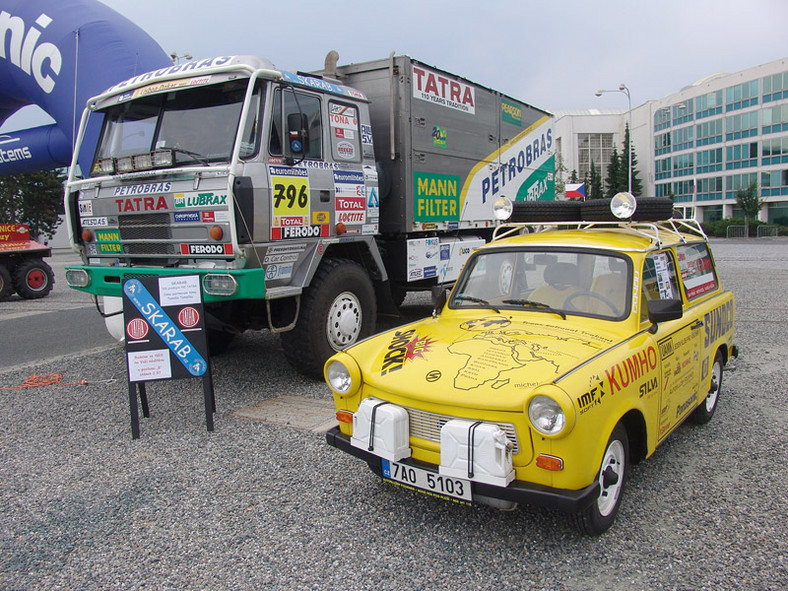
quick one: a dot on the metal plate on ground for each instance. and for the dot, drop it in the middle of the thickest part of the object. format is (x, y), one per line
(308, 414)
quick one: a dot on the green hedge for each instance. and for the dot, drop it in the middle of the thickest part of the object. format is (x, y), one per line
(720, 227)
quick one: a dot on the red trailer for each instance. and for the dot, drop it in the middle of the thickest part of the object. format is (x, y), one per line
(22, 266)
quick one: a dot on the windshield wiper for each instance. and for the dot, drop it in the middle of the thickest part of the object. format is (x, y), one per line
(476, 300)
(536, 305)
(193, 155)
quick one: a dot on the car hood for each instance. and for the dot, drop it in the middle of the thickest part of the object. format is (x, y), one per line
(482, 361)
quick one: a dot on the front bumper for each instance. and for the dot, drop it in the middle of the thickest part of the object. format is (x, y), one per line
(518, 491)
(108, 281)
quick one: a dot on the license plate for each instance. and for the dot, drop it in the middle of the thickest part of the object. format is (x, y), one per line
(426, 481)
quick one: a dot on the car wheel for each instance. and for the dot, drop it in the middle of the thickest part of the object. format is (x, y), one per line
(33, 279)
(705, 410)
(6, 286)
(600, 515)
(337, 310)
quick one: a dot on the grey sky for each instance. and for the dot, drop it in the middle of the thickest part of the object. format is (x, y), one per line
(553, 54)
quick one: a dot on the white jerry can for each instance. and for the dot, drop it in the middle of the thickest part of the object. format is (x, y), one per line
(381, 428)
(477, 451)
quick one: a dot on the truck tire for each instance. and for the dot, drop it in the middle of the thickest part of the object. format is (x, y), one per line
(33, 279)
(6, 286)
(337, 310)
(545, 211)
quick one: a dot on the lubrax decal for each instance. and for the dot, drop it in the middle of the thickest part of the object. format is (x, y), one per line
(631, 369)
(200, 200)
(141, 204)
(717, 322)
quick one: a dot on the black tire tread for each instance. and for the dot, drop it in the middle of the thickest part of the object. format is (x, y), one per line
(21, 271)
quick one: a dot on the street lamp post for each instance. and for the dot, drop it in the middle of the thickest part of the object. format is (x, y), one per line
(623, 89)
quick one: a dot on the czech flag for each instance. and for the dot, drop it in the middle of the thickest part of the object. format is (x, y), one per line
(577, 191)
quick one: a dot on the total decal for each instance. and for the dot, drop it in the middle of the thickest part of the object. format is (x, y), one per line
(522, 170)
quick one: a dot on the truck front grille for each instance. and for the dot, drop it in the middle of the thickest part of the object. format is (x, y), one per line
(153, 227)
(427, 425)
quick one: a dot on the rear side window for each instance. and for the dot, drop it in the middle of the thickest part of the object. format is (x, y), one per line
(345, 136)
(697, 270)
(658, 280)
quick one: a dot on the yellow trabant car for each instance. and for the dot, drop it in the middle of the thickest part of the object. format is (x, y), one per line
(564, 352)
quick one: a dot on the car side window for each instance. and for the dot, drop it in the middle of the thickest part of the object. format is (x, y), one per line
(305, 104)
(658, 281)
(697, 270)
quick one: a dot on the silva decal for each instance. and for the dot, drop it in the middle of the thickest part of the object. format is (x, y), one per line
(165, 327)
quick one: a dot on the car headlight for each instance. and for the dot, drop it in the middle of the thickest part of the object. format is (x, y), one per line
(342, 375)
(551, 411)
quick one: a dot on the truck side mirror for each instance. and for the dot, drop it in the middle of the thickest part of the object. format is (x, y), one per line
(664, 310)
(297, 133)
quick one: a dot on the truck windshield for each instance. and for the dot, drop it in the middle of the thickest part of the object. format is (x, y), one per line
(198, 124)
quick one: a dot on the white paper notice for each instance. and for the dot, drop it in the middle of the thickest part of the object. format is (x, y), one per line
(149, 365)
(179, 291)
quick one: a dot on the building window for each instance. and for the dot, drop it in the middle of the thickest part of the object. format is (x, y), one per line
(775, 87)
(735, 182)
(683, 112)
(662, 169)
(709, 132)
(662, 144)
(774, 150)
(683, 190)
(777, 213)
(708, 105)
(712, 213)
(662, 119)
(741, 126)
(741, 96)
(774, 182)
(775, 119)
(709, 160)
(596, 148)
(709, 189)
(741, 156)
(683, 165)
(683, 139)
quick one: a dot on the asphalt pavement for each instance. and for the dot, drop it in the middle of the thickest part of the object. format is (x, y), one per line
(256, 505)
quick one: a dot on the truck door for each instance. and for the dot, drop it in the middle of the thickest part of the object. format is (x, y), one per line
(678, 344)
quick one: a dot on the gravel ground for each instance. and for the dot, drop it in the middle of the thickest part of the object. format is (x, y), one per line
(258, 506)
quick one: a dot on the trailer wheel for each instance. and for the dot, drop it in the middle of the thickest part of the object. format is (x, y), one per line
(6, 286)
(337, 310)
(33, 279)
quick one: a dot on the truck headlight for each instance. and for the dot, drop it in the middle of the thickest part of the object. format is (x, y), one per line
(342, 375)
(551, 411)
(77, 278)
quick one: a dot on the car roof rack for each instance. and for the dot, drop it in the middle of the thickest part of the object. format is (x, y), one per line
(659, 232)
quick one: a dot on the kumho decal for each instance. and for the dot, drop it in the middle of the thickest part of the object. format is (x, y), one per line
(438, 89)
(627, 372)
(404, 346)
(717, 322)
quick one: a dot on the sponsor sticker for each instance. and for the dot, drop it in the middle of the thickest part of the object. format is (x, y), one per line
(94, 222)
(207, 249)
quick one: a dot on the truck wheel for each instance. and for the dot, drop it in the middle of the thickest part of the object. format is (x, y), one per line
(6, 286)
(33, 279)
(337, 310)
(703, 413)
(600, 515)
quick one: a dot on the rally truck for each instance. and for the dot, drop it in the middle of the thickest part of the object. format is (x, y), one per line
(22, 266)
(307, 203)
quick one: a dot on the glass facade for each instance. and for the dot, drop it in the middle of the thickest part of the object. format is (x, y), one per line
(596, 148)
(709, 146)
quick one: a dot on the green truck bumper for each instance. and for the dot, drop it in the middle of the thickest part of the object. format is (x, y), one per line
(108, 281)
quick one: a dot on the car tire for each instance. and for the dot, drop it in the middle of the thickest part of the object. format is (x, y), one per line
(600, 514)
(6, 284)
(33, 279)
(338, 309)
(545, 211)
(705, 410)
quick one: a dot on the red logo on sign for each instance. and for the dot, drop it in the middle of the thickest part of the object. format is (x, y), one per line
(188, 317)
(137, 329)
(208, 216)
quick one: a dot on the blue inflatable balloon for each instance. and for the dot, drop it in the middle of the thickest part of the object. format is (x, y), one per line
(57, 54)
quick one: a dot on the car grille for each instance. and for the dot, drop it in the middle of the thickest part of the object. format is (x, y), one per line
(427, 425)
(154, 226)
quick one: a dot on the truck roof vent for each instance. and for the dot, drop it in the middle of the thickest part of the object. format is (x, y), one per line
(330, 68)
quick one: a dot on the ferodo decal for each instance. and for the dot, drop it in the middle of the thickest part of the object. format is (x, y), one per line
(313, 231)
(438, 89)
(627, 372)
(290, 191)
(436, 197)
(404, 346)
(209, 249)
(717, 322)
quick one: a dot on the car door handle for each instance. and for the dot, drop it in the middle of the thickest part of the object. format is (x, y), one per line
(697, 324)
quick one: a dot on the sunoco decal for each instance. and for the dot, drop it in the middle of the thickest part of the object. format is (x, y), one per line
(438, 89)
(717, 322)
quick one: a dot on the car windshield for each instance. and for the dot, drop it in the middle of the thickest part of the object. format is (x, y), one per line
(561, 282)
(198, 124)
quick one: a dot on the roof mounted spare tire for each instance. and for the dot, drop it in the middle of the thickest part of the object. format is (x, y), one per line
(649, 209)
(545, 211)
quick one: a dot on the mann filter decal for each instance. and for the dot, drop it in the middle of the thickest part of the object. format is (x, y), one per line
(439, 89)
(436, 197)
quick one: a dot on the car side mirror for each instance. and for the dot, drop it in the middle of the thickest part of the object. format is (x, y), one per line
(664, 310)
(297, 132)
(439, 296)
